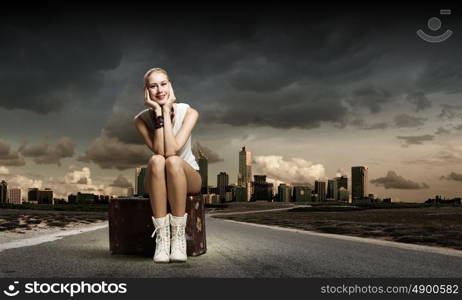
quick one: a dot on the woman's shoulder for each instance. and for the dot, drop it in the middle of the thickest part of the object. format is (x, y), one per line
(183, 105)
(143, 114)
(186, 107)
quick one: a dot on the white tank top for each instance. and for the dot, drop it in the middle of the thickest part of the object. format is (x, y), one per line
(180, 111)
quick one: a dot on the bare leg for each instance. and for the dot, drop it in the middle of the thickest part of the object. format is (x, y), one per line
(181, 179)
(156, 185)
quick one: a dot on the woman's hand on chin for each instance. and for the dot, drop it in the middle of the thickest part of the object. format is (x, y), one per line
(171, 99)
(149, 102)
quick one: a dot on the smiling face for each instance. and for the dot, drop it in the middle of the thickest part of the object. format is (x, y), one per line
(159, 87)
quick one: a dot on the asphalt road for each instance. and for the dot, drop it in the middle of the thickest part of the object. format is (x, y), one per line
(234, 250)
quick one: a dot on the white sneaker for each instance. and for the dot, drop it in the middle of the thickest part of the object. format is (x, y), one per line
(162, 229)
(178, 242)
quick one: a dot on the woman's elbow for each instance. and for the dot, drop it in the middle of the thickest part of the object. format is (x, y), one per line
(157, 151)
(168, 154)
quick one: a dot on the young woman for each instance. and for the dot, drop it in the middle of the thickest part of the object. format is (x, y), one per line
(172, 171)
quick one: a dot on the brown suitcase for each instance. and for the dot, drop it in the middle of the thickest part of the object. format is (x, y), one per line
(130, 226)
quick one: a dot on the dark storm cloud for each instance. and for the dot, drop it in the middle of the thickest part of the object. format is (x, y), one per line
(380, 125)
(370, 97)
(452, 176)
(53, 62)
(415, 140)
(212, 156)
(121, 182)
(394, 181)
(281, 72)
(449, 111)
(449, 156)
(110, 153)
(283, 109)
(285, 67)
(458, 127)
(420, 101)
(405, 120)
(49, 154)
(120, 126)
(8, 157)
(442, 131)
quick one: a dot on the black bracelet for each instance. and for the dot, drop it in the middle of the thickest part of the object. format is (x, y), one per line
(158, 122)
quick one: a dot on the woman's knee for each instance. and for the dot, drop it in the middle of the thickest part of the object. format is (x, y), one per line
(156, 163)
(173, 163)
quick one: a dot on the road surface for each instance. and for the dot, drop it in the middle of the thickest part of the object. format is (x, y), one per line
(235, 250)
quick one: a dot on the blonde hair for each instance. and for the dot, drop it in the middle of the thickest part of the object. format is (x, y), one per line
(152, 70)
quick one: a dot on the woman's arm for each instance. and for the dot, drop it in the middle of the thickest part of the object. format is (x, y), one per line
(173, 144)
(153, 139)
(158, 137)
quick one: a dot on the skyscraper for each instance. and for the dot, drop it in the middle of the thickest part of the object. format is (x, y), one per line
(15, 195)
(33, 194)
(262, 190)
(244, 177)
(342, 181)
(359, 182)
(284, 191)
(203, 170)
(222, 184)
(320, 189)
(3, 191)
(332, 189)
(301, 193)
(140, 173)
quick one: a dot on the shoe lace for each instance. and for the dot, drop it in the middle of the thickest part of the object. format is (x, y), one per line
(161, 237)
(177, 233)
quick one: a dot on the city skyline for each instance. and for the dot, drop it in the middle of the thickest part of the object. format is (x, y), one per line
(311, 93)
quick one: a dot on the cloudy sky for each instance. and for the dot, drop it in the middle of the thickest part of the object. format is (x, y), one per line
(310, 91)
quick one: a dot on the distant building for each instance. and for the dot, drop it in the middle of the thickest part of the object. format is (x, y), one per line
(386, 200)
(344, 195)
(222, 184)
(262, 190)
(342, 181)
(284, 193)
(14, 196)
(3, 192)
(211, 199)
(130, 191)
(140, 173)
(203, 171)
(45, 196)
(102, 199)
(244, 177)
(359, 180)
(228, 196)
(40, 196)
(33, 194)
(301, 193)
(320, 188)
(86, 198)
(332, 189)
(71, 199)
(314, 197)
(241, 194)
(213, 190)
(438, 200)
